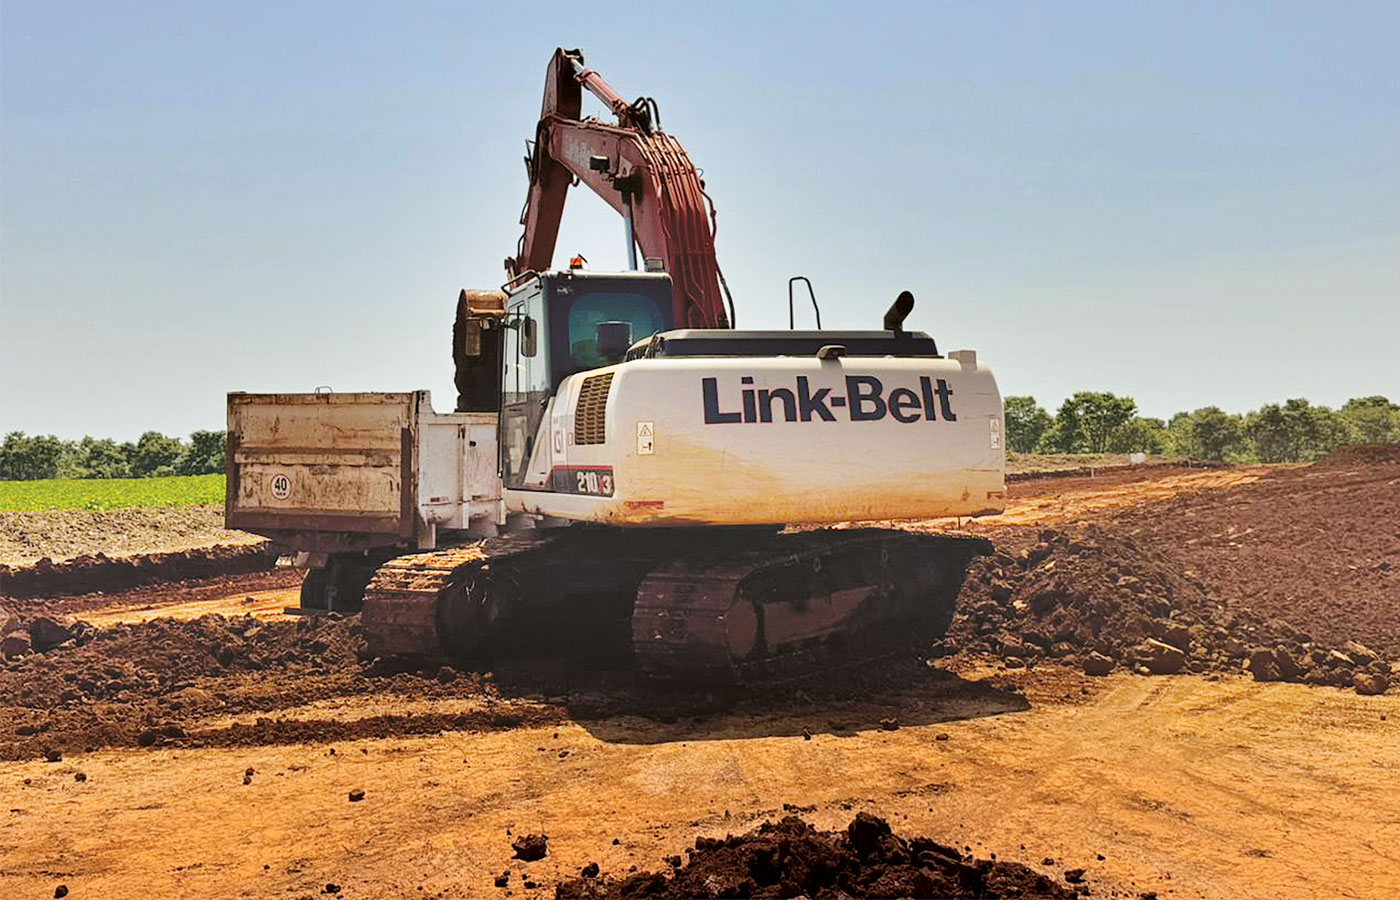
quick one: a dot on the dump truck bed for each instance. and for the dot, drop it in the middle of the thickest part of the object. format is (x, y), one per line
(331, 472)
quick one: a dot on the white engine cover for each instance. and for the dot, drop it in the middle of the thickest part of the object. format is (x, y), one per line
(773, 440)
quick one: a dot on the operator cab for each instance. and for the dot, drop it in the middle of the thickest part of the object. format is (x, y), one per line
(560, 323)
(579, 321)
(530, 337)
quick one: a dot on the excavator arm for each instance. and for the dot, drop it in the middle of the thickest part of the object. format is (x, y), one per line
(640, 171)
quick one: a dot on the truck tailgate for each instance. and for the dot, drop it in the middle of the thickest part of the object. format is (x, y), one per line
(322, 462)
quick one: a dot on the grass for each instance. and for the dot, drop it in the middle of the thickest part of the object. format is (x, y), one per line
(111, 493)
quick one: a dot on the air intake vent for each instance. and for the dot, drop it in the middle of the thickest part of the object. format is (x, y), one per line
(592, 409)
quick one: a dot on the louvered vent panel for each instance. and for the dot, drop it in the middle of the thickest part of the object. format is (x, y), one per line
(591, 412)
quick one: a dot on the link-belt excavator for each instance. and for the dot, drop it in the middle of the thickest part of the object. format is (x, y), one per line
(624, 468)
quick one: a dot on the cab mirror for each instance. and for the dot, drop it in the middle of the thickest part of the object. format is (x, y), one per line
(529, 336)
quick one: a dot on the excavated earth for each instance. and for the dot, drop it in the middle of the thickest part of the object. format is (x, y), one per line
(1240, 579)
(99, 573)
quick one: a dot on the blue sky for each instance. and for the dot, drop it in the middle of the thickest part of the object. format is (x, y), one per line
(1190, 204)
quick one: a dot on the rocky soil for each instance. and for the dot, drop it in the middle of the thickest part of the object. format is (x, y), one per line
(159, 681)
(1317, 546)
(1097, 600)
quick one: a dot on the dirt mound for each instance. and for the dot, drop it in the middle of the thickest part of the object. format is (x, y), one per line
(129, 661)
(1316, 545)
(1362, 454)
(108, 686)
(158, 682)
(236, 588)
(90, 574)
(1098, 600)
(792, 859)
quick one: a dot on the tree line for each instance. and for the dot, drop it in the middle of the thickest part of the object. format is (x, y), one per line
(26, 458)
(1293, 431)
(1088, 422)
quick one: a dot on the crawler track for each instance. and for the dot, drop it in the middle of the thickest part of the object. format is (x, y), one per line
(714, 609)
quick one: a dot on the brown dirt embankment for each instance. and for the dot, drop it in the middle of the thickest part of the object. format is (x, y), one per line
(100, 573)
(1318, 546)
(1093, 598)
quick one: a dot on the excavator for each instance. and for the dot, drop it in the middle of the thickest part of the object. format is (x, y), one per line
(626, 469)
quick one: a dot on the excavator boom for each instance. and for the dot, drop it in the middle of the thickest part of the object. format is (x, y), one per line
(640, 171)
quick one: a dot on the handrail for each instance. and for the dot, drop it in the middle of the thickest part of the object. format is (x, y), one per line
(810, 293)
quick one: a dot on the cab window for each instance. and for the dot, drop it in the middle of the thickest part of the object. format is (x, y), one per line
(642, 313)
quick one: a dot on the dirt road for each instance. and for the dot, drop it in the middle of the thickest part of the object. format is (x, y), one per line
(1218, 789)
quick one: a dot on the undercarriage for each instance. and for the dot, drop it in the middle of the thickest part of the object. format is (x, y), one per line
(712, 606)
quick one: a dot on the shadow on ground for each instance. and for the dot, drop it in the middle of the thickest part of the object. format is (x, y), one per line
(887, 694)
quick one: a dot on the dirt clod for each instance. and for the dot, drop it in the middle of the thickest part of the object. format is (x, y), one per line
(1158, 657)
(791, 858)
(49, 632)
(531, 847)
(15, 646)
(1371, 683)
(1097, 664)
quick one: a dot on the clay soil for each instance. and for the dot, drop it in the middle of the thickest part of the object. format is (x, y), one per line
(171, 752)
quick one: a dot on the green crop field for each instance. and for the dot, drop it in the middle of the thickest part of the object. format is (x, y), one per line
(111, 493)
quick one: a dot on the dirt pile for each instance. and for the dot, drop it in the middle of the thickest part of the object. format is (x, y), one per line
(1362, 454)
(90, 574)
(1098, 600)
(792, 859)
(125, 662)
(122, 685)
(159, 682)
(1316, 545)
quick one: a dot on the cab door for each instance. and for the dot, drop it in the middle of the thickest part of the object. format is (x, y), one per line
(525, 383)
